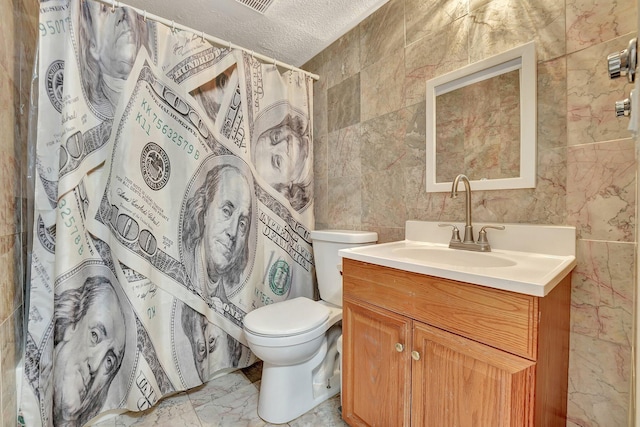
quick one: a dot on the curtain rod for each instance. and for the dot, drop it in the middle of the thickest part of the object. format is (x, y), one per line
(202, 34)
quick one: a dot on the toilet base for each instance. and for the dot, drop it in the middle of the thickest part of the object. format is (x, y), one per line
(286, 392)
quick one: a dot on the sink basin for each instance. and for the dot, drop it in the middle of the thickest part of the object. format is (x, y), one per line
(528, 259)
(454, 257)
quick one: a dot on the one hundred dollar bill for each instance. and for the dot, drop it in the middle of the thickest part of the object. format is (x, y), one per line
(170, 185)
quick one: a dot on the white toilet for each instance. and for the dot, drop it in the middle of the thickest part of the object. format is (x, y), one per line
(297, 339)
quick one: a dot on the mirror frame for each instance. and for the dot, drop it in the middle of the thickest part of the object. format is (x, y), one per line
(521, 58)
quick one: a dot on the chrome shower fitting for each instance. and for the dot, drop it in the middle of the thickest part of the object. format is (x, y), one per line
(623, 108)
(624, 62)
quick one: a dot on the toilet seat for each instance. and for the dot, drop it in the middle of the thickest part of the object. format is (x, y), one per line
(289, 323)
(287, 318)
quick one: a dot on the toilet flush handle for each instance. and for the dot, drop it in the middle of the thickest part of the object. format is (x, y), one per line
(339, 267)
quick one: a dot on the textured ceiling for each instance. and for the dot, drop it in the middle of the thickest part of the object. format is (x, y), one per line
(291, 31)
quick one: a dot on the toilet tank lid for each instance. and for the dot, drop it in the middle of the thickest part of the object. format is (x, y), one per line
(345, 236)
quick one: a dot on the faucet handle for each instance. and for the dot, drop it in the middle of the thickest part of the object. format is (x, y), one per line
(482, 235)
(455, 233)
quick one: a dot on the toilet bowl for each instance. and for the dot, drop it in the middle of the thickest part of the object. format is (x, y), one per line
(297, 339)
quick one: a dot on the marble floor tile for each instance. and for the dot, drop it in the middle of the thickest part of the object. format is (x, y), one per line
(239, 408)
(326, 414)
(215, 389)
(227, 401)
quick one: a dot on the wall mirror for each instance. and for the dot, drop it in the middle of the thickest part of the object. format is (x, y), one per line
(481, 121)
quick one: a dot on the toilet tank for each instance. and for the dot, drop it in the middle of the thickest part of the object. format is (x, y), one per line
(326, 244)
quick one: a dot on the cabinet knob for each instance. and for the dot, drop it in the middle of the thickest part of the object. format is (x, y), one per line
(415, 355)
(399, 347)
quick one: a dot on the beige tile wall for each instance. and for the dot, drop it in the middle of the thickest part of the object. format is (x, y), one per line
(369, 157)
(18, 23)
(369, 153)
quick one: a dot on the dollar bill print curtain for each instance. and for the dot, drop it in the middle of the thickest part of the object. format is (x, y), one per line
(173, 195)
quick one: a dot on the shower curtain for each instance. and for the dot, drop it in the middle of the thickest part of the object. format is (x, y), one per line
(173, 194)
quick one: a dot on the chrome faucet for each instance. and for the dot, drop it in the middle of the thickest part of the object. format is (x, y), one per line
(482, 245)
(468, 228)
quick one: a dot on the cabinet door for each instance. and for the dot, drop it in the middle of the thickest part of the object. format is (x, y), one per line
(376, 377)
(459, 382)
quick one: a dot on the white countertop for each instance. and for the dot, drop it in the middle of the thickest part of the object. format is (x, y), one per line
(528, 259)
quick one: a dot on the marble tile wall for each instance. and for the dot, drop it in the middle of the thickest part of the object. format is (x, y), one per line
(369, 153)
(18, 23)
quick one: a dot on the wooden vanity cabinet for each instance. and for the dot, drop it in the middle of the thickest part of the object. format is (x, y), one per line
(425, 351)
